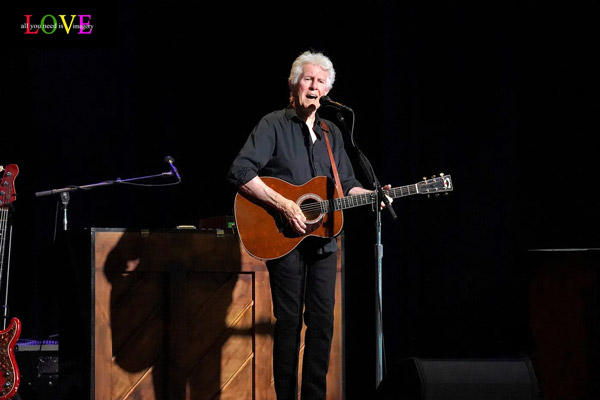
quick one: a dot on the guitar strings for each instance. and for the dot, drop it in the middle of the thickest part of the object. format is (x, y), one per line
(359, 199)
(340, 203)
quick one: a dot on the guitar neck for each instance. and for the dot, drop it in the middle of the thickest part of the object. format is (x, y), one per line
(357, 200)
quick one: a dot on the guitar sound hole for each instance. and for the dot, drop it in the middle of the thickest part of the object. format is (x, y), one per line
(312, 210)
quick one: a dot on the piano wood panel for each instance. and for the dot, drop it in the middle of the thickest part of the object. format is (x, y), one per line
(187, 315)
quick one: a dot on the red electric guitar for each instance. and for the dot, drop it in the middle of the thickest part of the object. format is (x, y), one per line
(9, 372)
(265, 235)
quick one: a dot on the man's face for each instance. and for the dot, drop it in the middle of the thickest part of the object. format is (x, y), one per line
(311, 87)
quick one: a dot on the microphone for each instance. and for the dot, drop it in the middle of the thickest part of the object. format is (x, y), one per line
(326, 101)
(170, 160)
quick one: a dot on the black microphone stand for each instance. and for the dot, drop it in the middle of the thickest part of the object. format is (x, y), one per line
(65, 192)
(379, 197)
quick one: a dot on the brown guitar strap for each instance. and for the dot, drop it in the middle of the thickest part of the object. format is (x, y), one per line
(338, 185)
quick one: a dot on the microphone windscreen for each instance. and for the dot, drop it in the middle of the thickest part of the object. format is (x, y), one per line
(324, 100)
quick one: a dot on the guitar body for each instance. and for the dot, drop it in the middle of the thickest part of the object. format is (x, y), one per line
(9, 372)
(264, 233)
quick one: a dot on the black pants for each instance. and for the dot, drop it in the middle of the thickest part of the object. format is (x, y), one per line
(302, 280)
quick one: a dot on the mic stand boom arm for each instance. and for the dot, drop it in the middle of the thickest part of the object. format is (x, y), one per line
(65, 191)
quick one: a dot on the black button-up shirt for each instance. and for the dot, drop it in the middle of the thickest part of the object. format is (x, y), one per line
(280, 146)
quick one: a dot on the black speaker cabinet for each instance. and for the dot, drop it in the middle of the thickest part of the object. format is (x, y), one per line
(432, 379)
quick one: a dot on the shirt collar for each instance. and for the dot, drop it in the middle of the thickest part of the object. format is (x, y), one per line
(291, 114)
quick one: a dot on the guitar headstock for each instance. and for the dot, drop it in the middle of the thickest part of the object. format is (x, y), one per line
(435, 185)
(7, 185)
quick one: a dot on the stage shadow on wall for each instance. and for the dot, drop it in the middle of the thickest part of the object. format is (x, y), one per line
(177, 317)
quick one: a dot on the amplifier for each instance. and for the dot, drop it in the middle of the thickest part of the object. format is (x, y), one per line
(38, 365)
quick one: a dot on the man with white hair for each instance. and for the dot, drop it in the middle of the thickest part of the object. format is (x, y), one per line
(290, 144)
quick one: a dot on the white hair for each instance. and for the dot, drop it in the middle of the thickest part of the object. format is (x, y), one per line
(308, 57)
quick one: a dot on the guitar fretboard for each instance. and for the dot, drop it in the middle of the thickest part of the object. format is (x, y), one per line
(433, 185)
(357, 200)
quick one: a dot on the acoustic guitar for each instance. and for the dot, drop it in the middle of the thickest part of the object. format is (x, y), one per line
(265, 234)
(9, 371)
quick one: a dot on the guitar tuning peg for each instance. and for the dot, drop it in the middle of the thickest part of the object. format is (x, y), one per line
(432, 176)
(424, 178)
(442, 174)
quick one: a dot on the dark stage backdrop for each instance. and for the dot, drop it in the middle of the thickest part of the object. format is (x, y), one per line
(501, 95)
